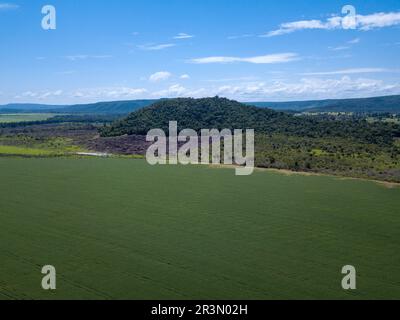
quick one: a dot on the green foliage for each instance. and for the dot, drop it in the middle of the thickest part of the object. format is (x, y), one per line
(30, 147)
(349, 146)
(20, 151)
(336, 156)
(220, 113)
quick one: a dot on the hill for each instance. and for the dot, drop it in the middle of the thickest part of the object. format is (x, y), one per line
(196, 114)
(386, 104)
(220, 113)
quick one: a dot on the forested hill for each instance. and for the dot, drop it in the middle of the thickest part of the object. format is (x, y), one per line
(386, 104)
(220, 113)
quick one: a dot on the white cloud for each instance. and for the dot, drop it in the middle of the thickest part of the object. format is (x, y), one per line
(378, 20)
(363, 22)
(267, 59)
(160, 76)
(339, 48)
(156, 47)
(175, 90)
(242, 36)
(48, 94)
(349, 71)
(40, 95)
(309, 89)
(185, 77)
(241, 79)
(8, 6)
(108, 93)
(86, 56)
(182, 35)
(29, 94)
(354, 41)
(304, 89)
(67, 72)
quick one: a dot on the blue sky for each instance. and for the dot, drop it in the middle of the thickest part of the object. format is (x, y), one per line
(249, 50)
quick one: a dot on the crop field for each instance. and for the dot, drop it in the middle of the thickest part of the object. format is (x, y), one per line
(118, 228)
(24, 117)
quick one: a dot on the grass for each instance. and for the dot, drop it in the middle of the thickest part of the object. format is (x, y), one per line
(118, 228)
(319, 153)
(24, 117)
(23, 151)
(29, 147)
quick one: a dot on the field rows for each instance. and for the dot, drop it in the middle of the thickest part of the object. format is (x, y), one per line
(118, 228)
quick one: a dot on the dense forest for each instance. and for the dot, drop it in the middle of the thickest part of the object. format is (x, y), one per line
(352, 146)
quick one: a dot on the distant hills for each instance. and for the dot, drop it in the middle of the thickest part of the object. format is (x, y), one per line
(113, 107)
(386, 104)
(29, 107)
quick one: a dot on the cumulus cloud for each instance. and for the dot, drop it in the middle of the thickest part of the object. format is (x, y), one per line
(305, 89)
(362, 22)
(175, 90)
(185, 77)
(182, 35)
(266, 59)
(309, 88)
(160, 76)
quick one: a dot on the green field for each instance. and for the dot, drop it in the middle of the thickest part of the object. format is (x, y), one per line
(24, 117)
(23, 151)
(118, 228)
